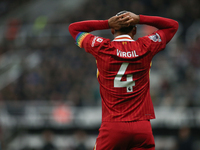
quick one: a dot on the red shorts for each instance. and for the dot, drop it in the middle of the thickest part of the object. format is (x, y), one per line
(136, 135)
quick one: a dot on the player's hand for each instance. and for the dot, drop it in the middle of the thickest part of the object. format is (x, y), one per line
(117, 22)
(135, 18)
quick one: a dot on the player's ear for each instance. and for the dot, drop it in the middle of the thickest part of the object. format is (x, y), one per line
(134, 31)
(112, 31)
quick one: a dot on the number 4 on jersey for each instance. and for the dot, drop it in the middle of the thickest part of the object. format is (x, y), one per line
(129, 83)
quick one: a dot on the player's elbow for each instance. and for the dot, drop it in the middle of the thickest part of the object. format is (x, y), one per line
(70, 28)
(174, 28)
(176, 25)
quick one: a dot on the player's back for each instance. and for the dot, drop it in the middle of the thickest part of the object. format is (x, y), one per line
(124, 80)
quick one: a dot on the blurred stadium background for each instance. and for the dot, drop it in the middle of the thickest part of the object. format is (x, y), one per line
(49, 95)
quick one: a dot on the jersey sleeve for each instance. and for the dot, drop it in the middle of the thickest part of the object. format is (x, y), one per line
(91, 43)
(154, 42)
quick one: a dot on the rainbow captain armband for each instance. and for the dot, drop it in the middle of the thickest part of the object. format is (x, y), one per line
(80, 37)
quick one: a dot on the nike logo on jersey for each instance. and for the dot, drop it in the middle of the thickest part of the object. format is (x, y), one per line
(128, 54)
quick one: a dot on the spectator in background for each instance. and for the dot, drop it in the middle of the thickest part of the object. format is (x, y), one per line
(48, 137)
(79, 140)
(185, 140)
(12, 29)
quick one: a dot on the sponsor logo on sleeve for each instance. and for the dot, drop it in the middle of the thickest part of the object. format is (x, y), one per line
(155, 37)
(96, 39)
(99, 40)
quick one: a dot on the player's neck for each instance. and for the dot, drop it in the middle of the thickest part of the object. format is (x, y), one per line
(118, 34)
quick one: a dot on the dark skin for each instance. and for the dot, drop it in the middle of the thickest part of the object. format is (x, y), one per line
(124, 20)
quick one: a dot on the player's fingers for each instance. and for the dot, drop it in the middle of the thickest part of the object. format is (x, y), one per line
(127, 22)
(123, 15)
(130, 21)
(125, 19)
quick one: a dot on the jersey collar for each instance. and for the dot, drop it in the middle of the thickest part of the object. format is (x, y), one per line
(124, 37)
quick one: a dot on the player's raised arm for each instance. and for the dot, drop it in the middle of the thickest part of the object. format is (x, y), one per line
(87, 26)
(115, 22)
(168, 26)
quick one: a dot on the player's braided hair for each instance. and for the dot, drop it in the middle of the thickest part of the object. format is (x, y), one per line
(125, 30)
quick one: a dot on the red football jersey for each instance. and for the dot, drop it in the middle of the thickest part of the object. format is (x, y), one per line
(123, 73)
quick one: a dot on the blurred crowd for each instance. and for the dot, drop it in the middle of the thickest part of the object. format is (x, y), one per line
(9, 5)
(67, 73)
